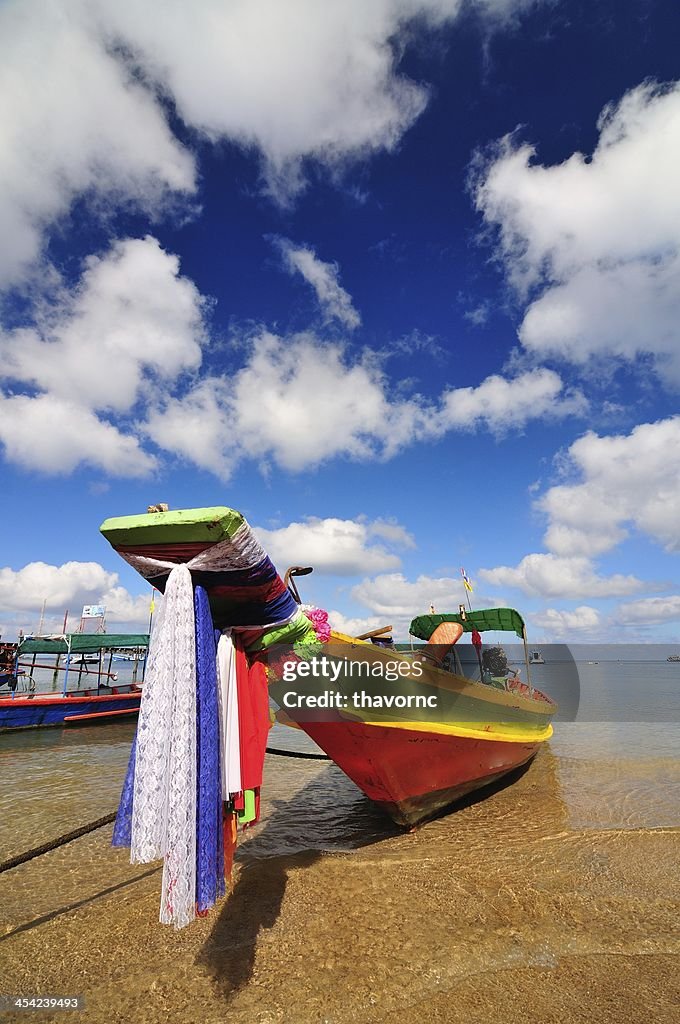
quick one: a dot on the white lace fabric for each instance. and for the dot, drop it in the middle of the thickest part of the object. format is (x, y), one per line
(164, 795)
(164, 803)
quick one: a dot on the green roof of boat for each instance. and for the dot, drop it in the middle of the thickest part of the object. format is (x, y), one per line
(506, 619)
(85, 643)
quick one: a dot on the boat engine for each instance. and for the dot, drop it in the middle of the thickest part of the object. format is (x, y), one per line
(495, 661)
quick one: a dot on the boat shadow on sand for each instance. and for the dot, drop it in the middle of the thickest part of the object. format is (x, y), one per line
(327, 815)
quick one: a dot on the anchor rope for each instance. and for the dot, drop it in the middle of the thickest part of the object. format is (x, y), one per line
(68, 837)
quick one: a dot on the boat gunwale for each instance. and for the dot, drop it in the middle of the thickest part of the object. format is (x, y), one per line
(455, 683)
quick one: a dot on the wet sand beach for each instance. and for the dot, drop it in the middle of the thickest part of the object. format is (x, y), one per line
(535, 902)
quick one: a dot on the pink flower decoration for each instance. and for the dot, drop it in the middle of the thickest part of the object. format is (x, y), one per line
(319, 619)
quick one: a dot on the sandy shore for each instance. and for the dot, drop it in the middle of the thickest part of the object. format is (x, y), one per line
(500, 912)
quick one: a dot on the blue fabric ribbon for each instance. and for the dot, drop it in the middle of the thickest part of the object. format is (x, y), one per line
(209, 837)
(122, 829)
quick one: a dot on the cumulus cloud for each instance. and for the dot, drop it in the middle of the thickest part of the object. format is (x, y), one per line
(593, 244)
(392, 594)
(124, 607)
(59, 585)
(300, 401)
(69, 586)
(108, 366)
(560, 625)
(342, 547)
(130, 324)
(627, 480)
(74, 122)
(624, 482)
(296, 401)
(335, 302)
(82, 84)
(130, 318)
(548, 575)
(56, 436)
(650, 610)
(352, 626)
(502, 403)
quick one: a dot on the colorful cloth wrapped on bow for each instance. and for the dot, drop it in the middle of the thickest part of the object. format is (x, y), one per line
(195, 768)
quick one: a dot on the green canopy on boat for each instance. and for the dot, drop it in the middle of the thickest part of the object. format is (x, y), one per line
(489, 618)
(82, 643)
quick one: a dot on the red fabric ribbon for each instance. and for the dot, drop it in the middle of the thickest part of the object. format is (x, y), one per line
(253, 717)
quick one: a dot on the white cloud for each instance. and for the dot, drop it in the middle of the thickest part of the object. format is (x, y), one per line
(561, 625)
(81, 81)
(650, 610)
(335, 302)
(124, 607)
(131, 319)
(55, 436)
(627, 480)
(549, 575)
(599, 237)
(391, 594)
(503, 404)
(296, 400)
(127, 335)
(69, 587)
(61, 585)
(130, 324)
(352, 626)
(299, 401)
(342, 547)
(392, 532)
(72, 122)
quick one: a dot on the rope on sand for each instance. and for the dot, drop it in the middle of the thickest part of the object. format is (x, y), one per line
(68, 837)
(37, 851)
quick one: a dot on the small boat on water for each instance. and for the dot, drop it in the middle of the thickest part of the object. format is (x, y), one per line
(84, 687)
(536, 658)
(673, 657)
(411, 757)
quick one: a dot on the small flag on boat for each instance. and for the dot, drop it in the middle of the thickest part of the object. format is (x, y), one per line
(466, 580)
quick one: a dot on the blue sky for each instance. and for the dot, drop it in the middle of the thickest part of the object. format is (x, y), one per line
(398, 280)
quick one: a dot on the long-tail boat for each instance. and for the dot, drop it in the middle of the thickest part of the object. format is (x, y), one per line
(413, 763)
(84, 691)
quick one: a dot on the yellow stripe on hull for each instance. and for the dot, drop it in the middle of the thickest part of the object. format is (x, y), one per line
(506, 732)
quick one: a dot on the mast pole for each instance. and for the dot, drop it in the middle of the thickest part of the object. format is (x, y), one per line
(526, 660)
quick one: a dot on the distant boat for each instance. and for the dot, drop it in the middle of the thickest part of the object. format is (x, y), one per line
(673, 657)
(536, 658)
(83, 659)
(71, 654)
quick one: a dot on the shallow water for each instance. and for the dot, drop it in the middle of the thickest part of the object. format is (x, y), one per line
(527, 895)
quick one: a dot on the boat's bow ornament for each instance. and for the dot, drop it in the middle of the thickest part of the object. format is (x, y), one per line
(196, 767)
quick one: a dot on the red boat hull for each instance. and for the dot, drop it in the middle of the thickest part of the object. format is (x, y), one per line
(415, 775)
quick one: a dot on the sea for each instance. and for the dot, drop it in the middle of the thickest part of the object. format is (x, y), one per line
(572, 863)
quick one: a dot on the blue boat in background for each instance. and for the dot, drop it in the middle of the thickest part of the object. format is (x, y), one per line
(81, 663)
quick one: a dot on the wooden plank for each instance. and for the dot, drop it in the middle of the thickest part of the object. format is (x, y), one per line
(100, 714)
